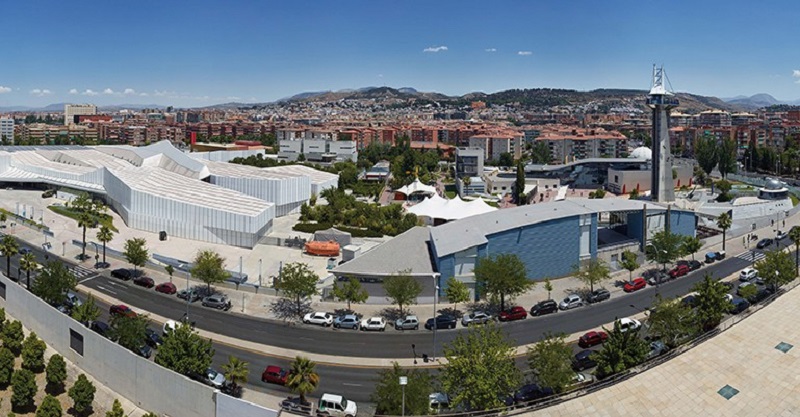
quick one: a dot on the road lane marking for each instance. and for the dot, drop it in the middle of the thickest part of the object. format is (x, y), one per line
(106, 289)
(351, 385)
(87, 279)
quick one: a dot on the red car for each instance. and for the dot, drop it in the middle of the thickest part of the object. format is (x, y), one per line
(592, 338)
(146, 282)
(513, 313)
(166, 288)
(635, 285)
(679, 271)
(121, 310)
(275, 375)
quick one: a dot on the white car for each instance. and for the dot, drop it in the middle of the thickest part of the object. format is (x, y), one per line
(336, 406)
(373, 323)
(477, 317)
(318, 317)
(626, 324)
(748, 274)
(572, 301)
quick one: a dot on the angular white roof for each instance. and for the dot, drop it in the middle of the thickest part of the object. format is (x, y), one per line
(417, 187)
(437, 207)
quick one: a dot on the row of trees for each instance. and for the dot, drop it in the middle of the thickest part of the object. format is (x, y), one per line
(343, 209)
(711, 153)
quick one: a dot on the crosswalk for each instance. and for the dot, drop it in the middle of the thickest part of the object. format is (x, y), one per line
(82, 272)
(748, 256)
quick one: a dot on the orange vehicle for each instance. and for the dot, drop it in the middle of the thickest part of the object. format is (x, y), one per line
(329, 248)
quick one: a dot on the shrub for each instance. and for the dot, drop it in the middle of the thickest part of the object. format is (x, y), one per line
(56, 372)
(33, 353)
(50, 407)
(6, 366)
(12, 336)
(23, 383)
(82, 394)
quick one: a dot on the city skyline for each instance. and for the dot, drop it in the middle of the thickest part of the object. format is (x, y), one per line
(212, 53)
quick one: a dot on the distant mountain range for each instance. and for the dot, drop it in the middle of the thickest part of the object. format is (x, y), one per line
(59, 107)
(758, 101)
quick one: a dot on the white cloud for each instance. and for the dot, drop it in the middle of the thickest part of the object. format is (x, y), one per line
(490, 50)
(435, 49)
(162, 93)
(41, 92)
(73, 91)
(90, 92)
(108, 91)
(143, 94)
(525, 53)
(796, 73)
(129, 91)
(4, 89)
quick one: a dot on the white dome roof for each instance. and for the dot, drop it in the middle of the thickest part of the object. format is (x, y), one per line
(642, 152)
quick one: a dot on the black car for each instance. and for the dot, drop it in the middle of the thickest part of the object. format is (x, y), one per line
(763, 243)
(122, 273)
(689, 301)
(761, 295)
(531, 392)
(598, 295)
(693, 265)
(738, 305)
(583, 360)
(544, 307)
(443, 321)
(144, 351)
(101, 328)
(152, 338)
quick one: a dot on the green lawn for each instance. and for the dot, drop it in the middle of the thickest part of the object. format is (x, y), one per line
(104, 220)
(795, 200)
(450, 194)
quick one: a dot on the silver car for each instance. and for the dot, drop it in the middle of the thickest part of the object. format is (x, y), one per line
(407, 323)
(218, 301)
(477, 317)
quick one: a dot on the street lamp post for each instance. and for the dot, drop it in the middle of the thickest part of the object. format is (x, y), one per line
(403, 383)
(188, 295)
(436, 276)
(414, 352)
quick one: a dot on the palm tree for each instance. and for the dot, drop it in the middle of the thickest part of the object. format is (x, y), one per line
(170, 270)
(236, 371)
(302, 378)
(724, 222)
(3, 218)
(794, 234)
(10, 248)
(28, 263)
(104, 235)
(85, 220)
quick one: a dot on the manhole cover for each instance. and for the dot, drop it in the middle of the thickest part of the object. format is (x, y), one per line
(728, 392)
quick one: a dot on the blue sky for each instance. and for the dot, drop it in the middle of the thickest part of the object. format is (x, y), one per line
(195, 52)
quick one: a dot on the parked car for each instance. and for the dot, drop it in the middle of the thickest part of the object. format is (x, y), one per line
(214, 378)
(738, 305)
(24, 250)
(71, 300)
(748, 274)
(166, 288)
(679, 271)
(693, 265)
(635, 285)
(592, 338)
(318, 317)
(531, 392)
(760, 295)
(657, 348)
(626, 324)
(728, 285)
(336, 406)
(656, 277)
(583, 360)
(763, 243)
(101, 265)
(743, 286)
(443, 321)
(476, 317)
(143, 281)
(121, 310)
(152, 338)
(218, 301)
(689, 301)
(439, 403)
(598, 295)
(513, 313)
(571, 301)
(275, 375)
(191, 295)
(407, 323)
(101, 328)
(544, 307)
(374, 324)
(781, 235)
(122, 273)
(711, 257)
(348, 321)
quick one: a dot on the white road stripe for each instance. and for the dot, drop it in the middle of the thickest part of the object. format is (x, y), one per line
(106, 289)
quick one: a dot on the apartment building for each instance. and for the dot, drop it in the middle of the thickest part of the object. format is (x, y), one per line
(73, 110)
(319, 150)
(713, 118)
(44, 133)
(574, 144)
(495, 144)
(7, 130)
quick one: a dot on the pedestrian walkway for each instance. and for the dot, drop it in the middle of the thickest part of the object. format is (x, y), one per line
(82, 272)
(751, 256)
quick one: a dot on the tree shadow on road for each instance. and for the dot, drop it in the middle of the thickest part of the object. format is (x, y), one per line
(287, 310)
(391, 314)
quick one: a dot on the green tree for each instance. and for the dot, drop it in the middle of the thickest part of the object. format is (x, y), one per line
(236, 372)
(86, 312)
(540, 154)
(593, 271)
(185, 352)
(456, 292)
(388, 394)
(9, 247)
(776, 269)
(209, 267)
(748, 292)
(480, 369)
(3, 218)
(136, 252)
(50, 407)
(548, 286)
(87, 217)
(724, 222)
(33, 353)
(519, 185)
(705, 151)
(54, 282)
(711, 304)
(82, 394)
(690, 245)
(664, 248)
(502, 275)
(6, 366)
(130, 332)
(672, 321)
(23, 385)
(402, 289)
(298, 282)
(505, 159)
(104, 235)
(551, 362)
(622, 350)
(629, 262)
(13, 336)
(55, 373)
(302, 378)
(726, 157)
(116, 410)
(351, 292)
(794, 235)
(169, 269)
(28, 263)
(634, 194)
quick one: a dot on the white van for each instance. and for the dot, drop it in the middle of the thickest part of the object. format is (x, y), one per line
(336, 406)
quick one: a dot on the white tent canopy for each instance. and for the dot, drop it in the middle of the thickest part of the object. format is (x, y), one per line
(417, 187)
(437, 207)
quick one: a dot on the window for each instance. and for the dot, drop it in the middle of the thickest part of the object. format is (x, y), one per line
(76, 341)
